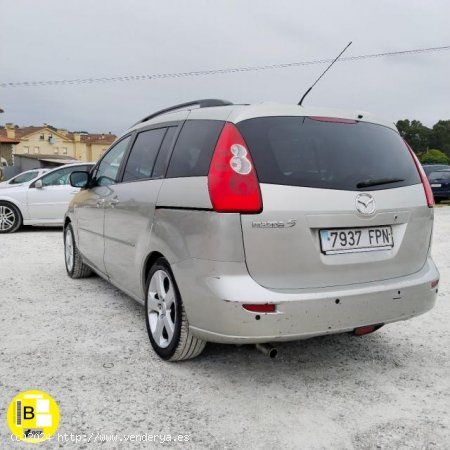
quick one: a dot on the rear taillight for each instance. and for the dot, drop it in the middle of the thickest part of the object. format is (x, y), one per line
(423, 178)
(232, 181)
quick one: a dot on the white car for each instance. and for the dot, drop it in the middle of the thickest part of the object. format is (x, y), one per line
(25, 177)
(41, 202)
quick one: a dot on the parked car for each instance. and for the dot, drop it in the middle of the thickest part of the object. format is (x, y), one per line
(41, 202)
(440, 184)
(428, 168)
(253, 224)
(25, 177)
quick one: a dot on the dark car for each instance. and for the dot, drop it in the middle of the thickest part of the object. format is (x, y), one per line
(440, 184)
(429, 168)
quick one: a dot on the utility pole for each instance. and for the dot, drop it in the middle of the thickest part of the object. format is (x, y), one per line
(1, 152)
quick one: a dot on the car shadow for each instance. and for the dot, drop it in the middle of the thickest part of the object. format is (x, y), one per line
(34, 229)
(320, 354)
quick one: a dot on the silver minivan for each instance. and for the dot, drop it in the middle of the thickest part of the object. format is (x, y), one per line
(254, 224)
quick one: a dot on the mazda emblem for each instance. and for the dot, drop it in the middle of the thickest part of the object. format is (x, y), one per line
(365, 204)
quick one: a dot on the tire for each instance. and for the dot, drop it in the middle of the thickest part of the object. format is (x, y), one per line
(74, 263)
(438, 200)
(10, 218)
(167, 323)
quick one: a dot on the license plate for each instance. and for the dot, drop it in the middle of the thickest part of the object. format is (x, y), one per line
(436, 185)
(352, 240)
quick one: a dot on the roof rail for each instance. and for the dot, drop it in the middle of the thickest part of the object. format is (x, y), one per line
(205, 103)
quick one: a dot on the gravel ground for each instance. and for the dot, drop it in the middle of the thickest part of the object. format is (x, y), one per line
(85, 343)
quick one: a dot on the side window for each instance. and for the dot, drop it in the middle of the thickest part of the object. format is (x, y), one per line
(24, 177)
(162, 160)
(59, 177)
(86, 168)
(194, 148)
(143, 155)
(106, 171)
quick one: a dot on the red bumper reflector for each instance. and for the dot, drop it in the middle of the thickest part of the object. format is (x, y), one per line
(360, 331)
(434, 283)
(264, 308)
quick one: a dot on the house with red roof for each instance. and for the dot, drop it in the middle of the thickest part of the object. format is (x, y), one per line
(50, 142)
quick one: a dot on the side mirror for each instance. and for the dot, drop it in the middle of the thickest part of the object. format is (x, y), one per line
(79, 179)
(38, 184)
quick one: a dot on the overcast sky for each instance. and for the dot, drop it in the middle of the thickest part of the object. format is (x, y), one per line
(70, 39)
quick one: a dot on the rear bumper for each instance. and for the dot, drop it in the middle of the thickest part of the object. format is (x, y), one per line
(214, 292)
(441, 194)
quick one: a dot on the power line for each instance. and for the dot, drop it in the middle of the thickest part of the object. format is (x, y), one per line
(159, 76)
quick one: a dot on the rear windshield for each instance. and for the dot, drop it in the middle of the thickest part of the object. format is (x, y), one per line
(302, 151)
(433, 168)
(24, 177)
(439, 176)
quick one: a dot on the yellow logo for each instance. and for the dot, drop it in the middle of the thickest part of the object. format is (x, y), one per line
(33, 416)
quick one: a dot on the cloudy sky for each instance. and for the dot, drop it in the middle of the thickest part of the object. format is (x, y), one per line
(78, 39)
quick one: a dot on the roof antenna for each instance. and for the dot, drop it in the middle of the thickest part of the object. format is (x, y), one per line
(323, 73)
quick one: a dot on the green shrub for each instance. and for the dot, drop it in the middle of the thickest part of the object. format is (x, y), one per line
(434, 156)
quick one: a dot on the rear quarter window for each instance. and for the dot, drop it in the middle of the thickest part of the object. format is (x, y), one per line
(301, 151)
(193, 150)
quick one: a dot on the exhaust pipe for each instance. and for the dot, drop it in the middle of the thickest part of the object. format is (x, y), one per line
(267, 349)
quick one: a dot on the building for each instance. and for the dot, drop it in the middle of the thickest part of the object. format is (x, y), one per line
(28, 162)
(47, 140)
(6, 150)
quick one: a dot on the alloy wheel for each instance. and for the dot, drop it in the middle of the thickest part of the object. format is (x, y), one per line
(162, 313)
(7, 218)
(68, 250)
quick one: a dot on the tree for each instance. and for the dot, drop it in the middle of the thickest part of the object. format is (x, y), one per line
(434, 156)
(440, 137)
(415, 133)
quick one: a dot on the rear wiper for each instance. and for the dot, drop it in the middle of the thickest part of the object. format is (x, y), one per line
(378, 181)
